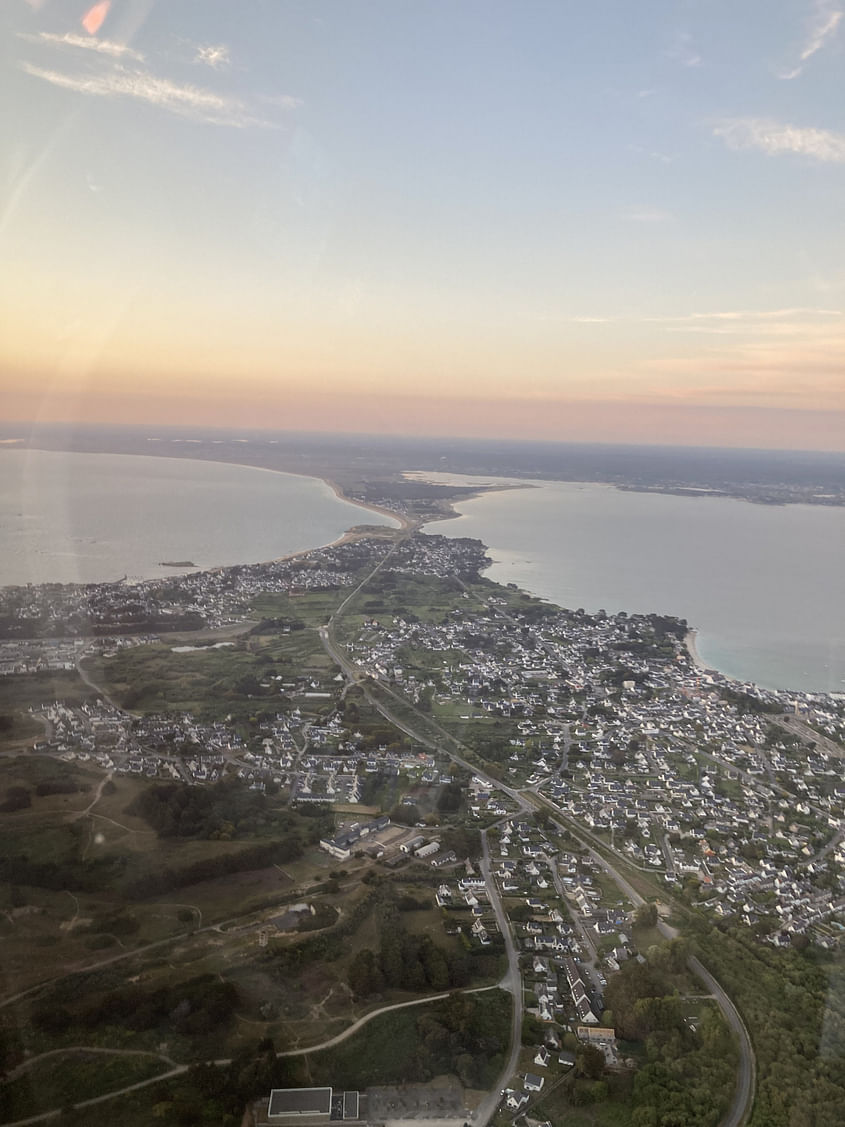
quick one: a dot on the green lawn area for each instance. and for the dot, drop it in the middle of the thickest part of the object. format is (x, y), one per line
(213, 683)
(390, 1048)
(60, 1081)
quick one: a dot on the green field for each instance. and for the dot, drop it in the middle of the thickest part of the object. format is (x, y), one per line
(59, 1082)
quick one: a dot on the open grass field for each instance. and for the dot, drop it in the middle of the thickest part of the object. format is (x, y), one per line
(211, 683)
(60, 1081)
(69, 860)
(17, 693)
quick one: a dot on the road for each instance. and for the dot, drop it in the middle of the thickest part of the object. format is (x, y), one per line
(744, 1093)
(512, 982)
(181, 1069)
(362, 1021)
(98, 794)
(746, 1076)
(30, 1062)
(98, 689)
(587, 940)
(740, 1107)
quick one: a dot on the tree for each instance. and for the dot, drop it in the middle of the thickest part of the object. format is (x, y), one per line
(646, 915)
(17, 798)
(589, 1062)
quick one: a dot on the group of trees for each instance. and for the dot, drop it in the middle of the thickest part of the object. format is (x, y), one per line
(194, 1009)
(406, 962)
(164, 878)
(226, 810)
(17, 798)
(793, 1004)
(461, 1036)
(689, 1074)
(450, 798)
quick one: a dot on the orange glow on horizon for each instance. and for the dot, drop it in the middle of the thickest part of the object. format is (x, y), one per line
(542, 419)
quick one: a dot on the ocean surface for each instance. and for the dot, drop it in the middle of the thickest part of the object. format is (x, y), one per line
(764, 586)
(87, 518)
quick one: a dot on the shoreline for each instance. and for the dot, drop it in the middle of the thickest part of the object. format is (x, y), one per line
(405, 523)
(353, 532)
(400, 524)
(690, 640)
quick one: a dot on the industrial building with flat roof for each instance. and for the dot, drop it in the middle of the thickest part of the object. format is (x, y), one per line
(308, 1107)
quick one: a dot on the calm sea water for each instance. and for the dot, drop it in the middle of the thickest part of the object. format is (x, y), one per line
(73, 518)
(764, 586)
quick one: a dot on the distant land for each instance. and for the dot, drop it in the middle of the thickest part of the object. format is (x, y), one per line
(358, 462)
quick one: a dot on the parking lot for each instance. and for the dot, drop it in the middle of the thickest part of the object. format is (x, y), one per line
(439, 1101)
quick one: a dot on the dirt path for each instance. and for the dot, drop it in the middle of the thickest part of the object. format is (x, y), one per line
(180, 1069)
(32, 1061)
(98, 794)
(92, 684)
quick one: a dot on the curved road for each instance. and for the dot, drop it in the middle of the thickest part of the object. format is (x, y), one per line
(743, 1099)
(746, 1076)
(512, 982)
(181, 1069)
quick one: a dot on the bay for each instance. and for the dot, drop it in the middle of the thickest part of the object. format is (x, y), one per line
(764, 586)
(89, 518)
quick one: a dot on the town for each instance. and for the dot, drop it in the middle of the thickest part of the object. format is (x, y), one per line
(521, 754)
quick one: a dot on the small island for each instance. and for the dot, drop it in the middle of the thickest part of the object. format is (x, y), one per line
(176, 563)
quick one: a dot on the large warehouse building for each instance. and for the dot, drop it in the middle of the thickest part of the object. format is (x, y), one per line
(306, 1107)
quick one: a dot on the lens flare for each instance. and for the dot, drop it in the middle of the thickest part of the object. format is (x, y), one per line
(94, 18)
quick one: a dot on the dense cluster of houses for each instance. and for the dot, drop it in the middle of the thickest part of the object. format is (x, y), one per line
(680, 768)
(211, 598)
(731, 789)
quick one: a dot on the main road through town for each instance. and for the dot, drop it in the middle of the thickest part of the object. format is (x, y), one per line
(744, 1092)
(740, 1107)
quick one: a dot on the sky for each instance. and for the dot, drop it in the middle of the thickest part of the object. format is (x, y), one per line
(612, 221)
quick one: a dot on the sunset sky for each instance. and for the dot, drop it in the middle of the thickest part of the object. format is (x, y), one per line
(613, 221)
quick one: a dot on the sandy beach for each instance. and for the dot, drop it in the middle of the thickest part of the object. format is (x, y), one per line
(692, 649)
(404, 522)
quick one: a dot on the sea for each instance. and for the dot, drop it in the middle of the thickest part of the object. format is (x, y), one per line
(763, 586)
(92, 518)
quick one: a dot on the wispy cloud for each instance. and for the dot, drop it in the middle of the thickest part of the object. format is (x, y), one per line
(212, 55)
(823, 25)
(776, 138)
(109, 73)
(86, 43)
(654, 154)
(179, 98)
(682, 51)
(653, 215)
(754, 314)
(283, 101)
(731, 321)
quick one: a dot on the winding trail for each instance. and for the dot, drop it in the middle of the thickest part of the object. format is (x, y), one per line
(362, 1021)
(181, 1069)
(32, 1061)
(92, 684)
(98, 794)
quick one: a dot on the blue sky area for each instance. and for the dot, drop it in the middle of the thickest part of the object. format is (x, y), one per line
(610, 221)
